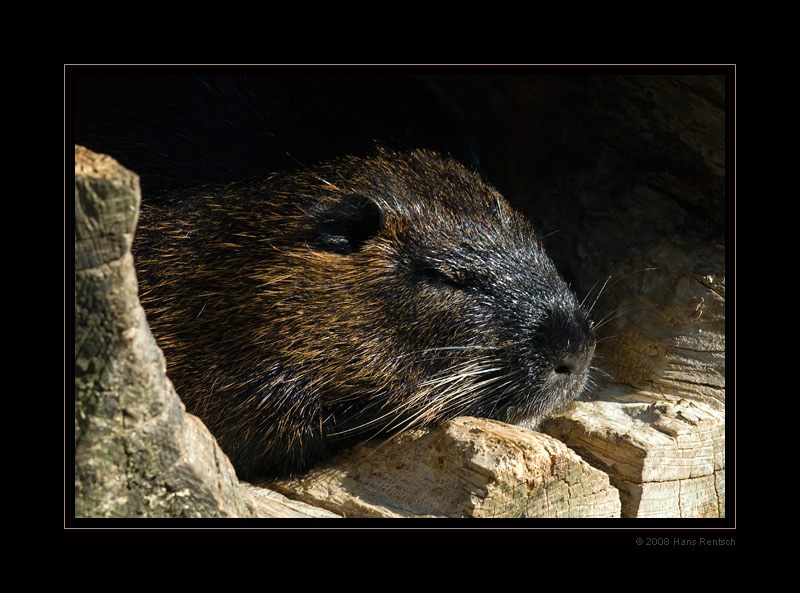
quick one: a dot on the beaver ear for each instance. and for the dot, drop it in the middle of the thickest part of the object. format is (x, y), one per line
(345, 226)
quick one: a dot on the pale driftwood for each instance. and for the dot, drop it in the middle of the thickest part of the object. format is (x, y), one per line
(468, 467)
(666, 458)
(273, 505)
(668, 342)
(137, 454)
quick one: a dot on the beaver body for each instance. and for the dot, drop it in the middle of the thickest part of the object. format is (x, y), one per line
(367, 293)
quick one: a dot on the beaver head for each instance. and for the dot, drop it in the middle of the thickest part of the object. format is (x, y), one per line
(308, 311)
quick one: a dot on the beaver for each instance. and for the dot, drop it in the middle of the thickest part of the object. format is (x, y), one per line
(306, 310)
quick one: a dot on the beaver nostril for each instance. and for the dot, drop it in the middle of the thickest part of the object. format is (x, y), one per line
(563, 369)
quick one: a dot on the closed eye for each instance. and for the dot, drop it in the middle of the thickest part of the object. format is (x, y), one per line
(438, 279)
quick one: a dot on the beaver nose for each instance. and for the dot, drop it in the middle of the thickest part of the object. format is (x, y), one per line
(570, 342)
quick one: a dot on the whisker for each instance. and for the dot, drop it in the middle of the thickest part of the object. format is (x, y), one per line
(607, 286)
(456, 390)
(583, 301)
(597, 298)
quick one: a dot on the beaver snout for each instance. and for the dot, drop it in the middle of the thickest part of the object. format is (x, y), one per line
(568, 342)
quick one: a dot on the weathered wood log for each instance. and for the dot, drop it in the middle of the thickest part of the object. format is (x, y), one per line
(666, 458)
(137, 454)
(468, 467)
(270, 504)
